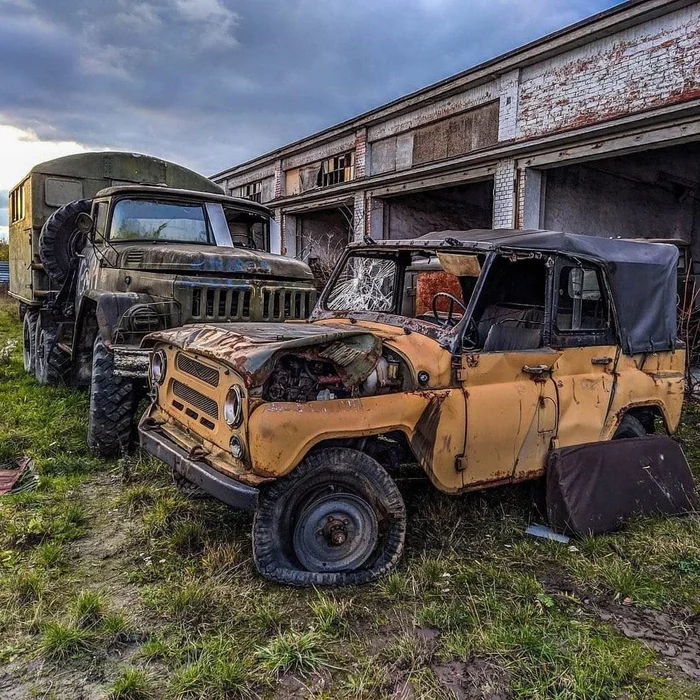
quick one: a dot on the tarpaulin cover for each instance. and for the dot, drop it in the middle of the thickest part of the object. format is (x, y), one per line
(596, 487)
(642, 276)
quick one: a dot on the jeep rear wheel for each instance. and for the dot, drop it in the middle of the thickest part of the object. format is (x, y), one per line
(29, 340)
(630, 427)
(337, 519)
(113, 403)
(51, 363)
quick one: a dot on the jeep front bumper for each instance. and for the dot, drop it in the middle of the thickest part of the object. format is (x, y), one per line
(222, 487)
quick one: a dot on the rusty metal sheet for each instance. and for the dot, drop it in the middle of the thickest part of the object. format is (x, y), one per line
(11, 473)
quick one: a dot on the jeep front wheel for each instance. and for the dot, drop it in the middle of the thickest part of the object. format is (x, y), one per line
(113, 403)
(337, 519)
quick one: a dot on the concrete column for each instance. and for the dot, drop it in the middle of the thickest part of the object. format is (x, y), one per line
(289, 235)
(504, 194)
(276, 232)
(532, 199)
(374, 216)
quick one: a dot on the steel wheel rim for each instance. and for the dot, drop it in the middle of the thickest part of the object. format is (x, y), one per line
(336, 532)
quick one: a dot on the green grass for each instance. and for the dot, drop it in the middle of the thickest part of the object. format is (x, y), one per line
(106, 568)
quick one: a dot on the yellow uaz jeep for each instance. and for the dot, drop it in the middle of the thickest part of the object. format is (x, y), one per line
(474, 353)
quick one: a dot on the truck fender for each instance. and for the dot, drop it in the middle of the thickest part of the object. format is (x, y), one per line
(110, 307)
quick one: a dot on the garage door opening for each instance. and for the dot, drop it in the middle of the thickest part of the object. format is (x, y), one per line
(321, 237)
(651, 194)
(456, 208)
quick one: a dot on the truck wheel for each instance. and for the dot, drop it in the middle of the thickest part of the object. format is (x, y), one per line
(29, 340)
(630, 427)
(51, 364)
(337, 519)
(60, 241)
(113, 403)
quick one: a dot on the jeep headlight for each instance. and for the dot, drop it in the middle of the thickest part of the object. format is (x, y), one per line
(233, 406)
(158, 367)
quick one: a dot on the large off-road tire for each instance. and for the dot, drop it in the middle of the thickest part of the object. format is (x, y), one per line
(337, 519)
(29, 340)
(52, 365)
(113, 402)
(60, 241)
(630, 427)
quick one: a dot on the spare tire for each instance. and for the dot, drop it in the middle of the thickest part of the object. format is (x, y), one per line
(60, 241)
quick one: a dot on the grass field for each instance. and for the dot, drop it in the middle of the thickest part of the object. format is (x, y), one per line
(112, 584)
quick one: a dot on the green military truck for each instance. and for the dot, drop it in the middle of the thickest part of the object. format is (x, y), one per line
(107, 247)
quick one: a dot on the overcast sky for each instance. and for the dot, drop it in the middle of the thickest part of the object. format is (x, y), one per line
(210, 83)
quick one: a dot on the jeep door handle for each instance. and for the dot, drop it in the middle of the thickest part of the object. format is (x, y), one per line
(601, 360)
(537, 370)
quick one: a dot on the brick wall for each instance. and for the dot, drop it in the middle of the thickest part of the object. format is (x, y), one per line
(646, 66)
(504, 194)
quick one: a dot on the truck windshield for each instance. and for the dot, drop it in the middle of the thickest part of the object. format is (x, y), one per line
(135, 219)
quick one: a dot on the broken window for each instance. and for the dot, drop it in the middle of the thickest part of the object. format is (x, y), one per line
(336, 170)
(364, 284)
(252, 191)
(17, 206)
(247, 230)
(581, 304)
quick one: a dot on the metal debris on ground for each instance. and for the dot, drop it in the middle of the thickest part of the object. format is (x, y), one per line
(18, 476)
(546, 533)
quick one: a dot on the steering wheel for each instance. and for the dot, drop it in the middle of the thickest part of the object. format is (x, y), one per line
(447, 323)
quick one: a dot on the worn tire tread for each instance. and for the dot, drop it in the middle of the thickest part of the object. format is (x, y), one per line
(265, 550)
(112, 405)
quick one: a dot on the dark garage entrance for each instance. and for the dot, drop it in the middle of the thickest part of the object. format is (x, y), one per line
(651, 194)
(457, 208)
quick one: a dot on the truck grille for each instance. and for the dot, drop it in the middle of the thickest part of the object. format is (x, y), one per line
(197, 369)
(194, 398)
(218, 303)
(281, 305)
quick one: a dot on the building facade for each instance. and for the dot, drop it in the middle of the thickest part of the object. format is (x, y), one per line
(594, 129)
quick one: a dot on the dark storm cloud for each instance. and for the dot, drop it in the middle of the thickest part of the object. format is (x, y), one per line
(213, 82)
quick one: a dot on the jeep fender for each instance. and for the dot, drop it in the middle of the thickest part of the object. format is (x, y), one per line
(109, 308)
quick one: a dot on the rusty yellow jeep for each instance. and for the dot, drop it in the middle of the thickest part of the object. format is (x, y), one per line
(472, 354)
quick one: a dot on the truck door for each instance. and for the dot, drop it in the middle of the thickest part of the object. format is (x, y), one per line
(511, 398)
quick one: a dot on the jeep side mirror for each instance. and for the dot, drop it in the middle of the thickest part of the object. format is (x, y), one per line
(84, 223)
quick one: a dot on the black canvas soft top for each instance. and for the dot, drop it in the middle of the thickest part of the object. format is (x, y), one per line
(642, 275)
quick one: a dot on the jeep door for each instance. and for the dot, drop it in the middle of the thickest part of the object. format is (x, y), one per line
(583, 331)
(512, 405)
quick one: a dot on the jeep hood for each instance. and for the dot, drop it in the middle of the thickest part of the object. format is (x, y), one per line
(251, 349)
(210, 259)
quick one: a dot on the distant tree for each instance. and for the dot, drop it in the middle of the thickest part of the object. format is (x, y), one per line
(4, 251)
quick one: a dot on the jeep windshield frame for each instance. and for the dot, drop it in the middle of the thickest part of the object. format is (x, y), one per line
(346, 296)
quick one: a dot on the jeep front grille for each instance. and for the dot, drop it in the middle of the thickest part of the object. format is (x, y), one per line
(293, 305)
(194, 398)
(197, 369)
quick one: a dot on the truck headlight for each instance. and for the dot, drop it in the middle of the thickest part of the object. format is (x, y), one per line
(233, 406)
(158, 367)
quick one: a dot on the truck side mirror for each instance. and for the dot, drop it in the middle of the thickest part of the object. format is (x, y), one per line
(84, 223)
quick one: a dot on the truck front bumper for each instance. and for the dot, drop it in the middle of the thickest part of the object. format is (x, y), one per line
(223, 488)
(131, 362)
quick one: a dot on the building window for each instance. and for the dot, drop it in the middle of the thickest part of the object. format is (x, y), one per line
(17, 204)
(252, 191)
(337, 169)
